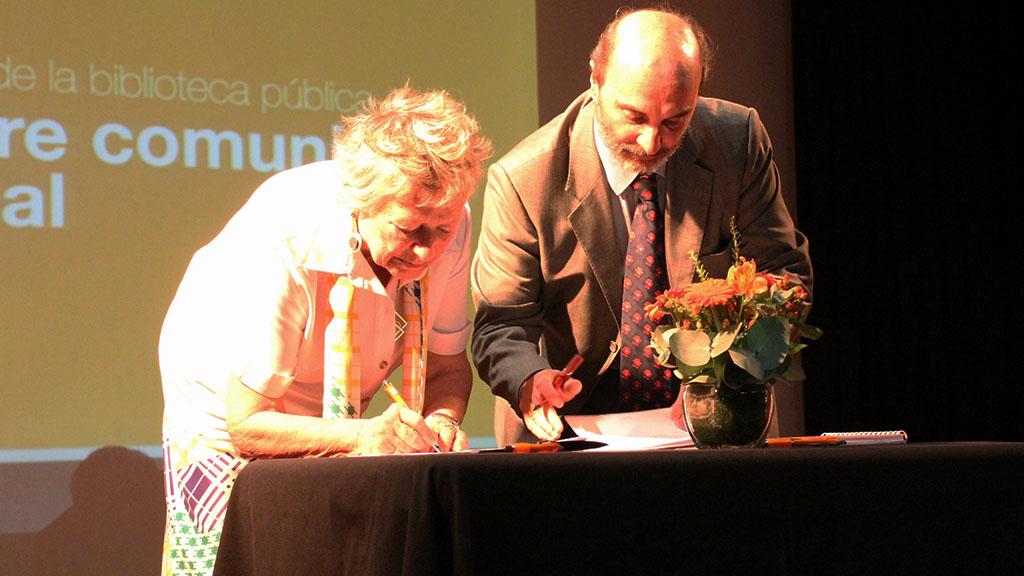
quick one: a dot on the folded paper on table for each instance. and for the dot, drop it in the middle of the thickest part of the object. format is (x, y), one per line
(621, 431)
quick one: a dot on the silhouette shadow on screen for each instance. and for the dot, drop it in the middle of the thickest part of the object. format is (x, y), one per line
(116, 520)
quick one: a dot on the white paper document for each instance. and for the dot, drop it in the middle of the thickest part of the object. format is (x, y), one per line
(641, 430)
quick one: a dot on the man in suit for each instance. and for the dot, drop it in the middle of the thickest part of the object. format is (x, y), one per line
(548, 273)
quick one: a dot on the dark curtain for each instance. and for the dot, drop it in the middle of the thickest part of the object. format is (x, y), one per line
(907, 134)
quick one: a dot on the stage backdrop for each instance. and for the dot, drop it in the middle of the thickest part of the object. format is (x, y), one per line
(128, 136)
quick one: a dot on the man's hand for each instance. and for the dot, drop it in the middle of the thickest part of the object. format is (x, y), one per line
(398, 429)
(542, 395)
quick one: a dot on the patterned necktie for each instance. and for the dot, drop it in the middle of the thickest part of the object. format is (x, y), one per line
(643, 383)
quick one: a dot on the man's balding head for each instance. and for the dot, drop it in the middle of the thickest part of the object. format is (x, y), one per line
(647, 71)
(644, 37)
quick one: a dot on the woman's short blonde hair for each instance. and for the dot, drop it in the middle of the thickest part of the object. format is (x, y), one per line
(418, 148)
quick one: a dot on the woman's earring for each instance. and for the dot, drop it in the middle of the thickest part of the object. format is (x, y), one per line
(355, 241)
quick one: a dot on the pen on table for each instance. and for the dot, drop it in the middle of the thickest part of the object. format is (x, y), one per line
(793, 441)
(397, 399)
(567, 372)
(531, 447)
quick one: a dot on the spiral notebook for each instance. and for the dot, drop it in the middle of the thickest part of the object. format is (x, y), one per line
(880, 437)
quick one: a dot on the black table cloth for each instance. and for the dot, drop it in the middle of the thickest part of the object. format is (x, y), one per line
(955, 508)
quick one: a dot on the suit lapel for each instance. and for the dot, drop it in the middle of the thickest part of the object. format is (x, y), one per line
(687, 201)
(591, 219)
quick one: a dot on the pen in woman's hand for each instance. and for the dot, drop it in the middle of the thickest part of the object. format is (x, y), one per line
(397, 399)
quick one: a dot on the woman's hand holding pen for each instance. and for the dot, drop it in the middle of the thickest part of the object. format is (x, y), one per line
(398, 429)
(543, 394)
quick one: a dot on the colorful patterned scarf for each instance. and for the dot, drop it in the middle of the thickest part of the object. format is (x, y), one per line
(342, 389)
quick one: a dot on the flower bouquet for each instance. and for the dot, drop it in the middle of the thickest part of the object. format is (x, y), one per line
(728, 340)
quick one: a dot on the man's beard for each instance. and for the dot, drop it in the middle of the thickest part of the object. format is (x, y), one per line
(631, 156)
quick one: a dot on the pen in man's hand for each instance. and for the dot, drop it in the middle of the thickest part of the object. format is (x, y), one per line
(567, 372)
(397, 399)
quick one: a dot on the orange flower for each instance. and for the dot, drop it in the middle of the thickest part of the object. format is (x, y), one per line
(742, 275)
(654, 310)
(710, 292)
(746, 279)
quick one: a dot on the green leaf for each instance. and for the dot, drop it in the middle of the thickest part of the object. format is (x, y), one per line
(682, 370)
(659, 337)
(768, 339)
(723, 340)
(659, 341)
(809, 332)
(781, 369)
(700, 379)
(691, 347)
(664, 358)
(746, 360)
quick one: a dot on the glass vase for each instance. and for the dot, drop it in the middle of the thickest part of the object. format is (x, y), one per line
(727, 417)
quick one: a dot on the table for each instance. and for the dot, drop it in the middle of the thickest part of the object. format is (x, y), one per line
(955, 508)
